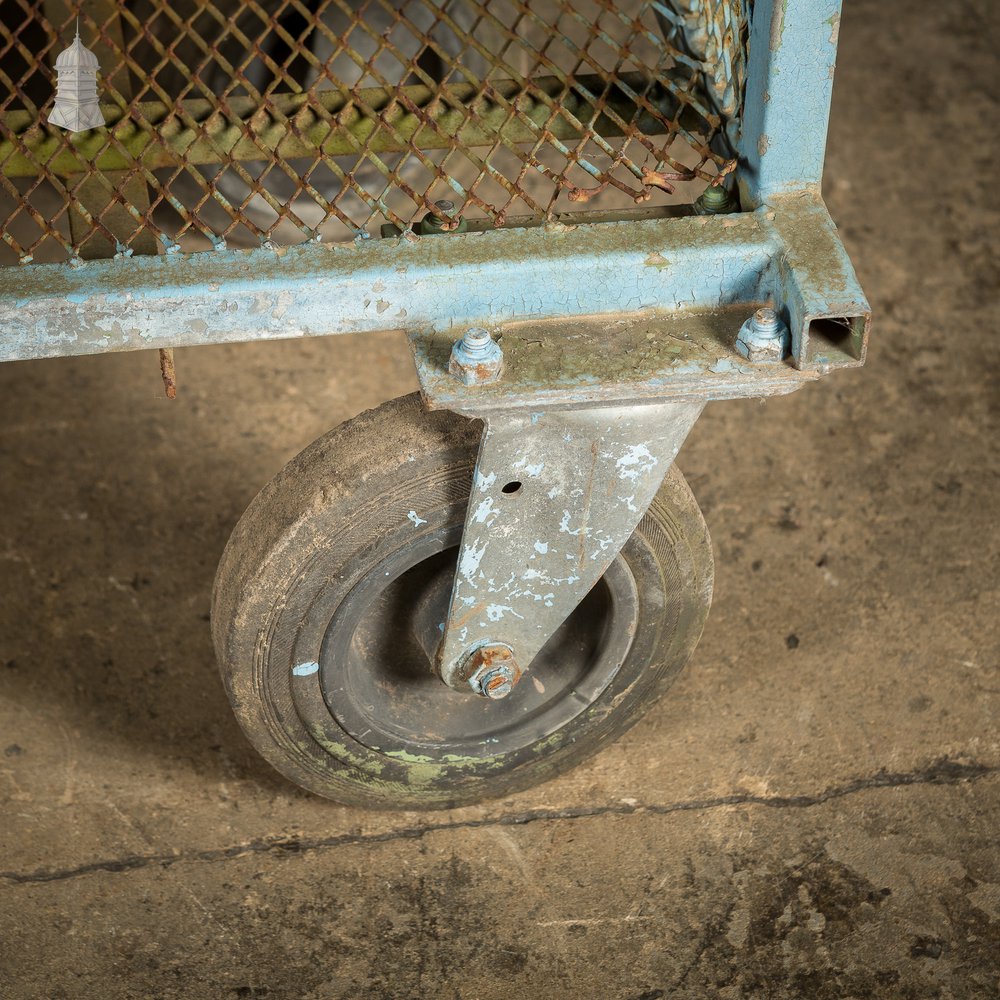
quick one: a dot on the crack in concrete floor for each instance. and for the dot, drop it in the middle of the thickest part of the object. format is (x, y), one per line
(943, 772)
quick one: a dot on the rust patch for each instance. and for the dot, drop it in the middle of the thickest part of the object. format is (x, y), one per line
(487, 658)
(724, 171)
(834, 29)
(664, 180)
(168, 373)
(777, 25)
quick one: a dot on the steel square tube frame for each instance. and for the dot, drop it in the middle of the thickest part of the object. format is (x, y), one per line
(785, 249)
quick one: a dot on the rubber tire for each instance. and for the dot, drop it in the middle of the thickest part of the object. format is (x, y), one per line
(318, 524)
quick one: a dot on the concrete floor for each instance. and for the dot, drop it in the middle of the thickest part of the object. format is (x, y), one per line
(813, 811)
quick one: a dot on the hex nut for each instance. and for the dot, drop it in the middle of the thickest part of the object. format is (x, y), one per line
(476, 359)
(441, 220)
(763, 337)
(492, 671)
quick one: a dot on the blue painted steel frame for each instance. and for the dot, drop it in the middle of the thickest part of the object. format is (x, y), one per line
(787, 249)
(793, 54)
(792, 255)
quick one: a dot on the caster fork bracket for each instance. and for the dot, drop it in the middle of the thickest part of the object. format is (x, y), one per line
(555, 496)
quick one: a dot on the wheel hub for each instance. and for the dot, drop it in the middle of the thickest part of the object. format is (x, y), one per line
(378, 681)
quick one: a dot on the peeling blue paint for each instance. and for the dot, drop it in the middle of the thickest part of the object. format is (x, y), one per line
(483, 483)
(496, 611)
(484, 510)
(636, 462)
(564, 524)
(468, 565)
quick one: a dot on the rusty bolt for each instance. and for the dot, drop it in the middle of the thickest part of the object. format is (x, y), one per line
(763, 337)
(492, 671)
(476, 359)
(440, 219)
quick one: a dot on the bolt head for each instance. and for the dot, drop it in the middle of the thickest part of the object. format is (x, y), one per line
(492, 671)
(497, 684)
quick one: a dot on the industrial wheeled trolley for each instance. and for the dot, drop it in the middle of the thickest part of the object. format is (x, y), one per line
(588, 217)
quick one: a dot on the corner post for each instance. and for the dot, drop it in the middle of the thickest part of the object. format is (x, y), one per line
(793, 52)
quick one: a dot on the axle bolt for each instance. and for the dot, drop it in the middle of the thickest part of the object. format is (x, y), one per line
(492, 671)
(476, 359)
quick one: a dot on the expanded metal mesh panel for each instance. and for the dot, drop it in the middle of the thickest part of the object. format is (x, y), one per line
(243, 122)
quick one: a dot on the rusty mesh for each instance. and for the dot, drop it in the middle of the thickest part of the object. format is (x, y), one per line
(238, 122)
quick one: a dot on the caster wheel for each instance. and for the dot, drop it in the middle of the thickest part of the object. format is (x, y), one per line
(327, 604)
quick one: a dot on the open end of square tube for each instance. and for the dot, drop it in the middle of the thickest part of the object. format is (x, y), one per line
(835, 341)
